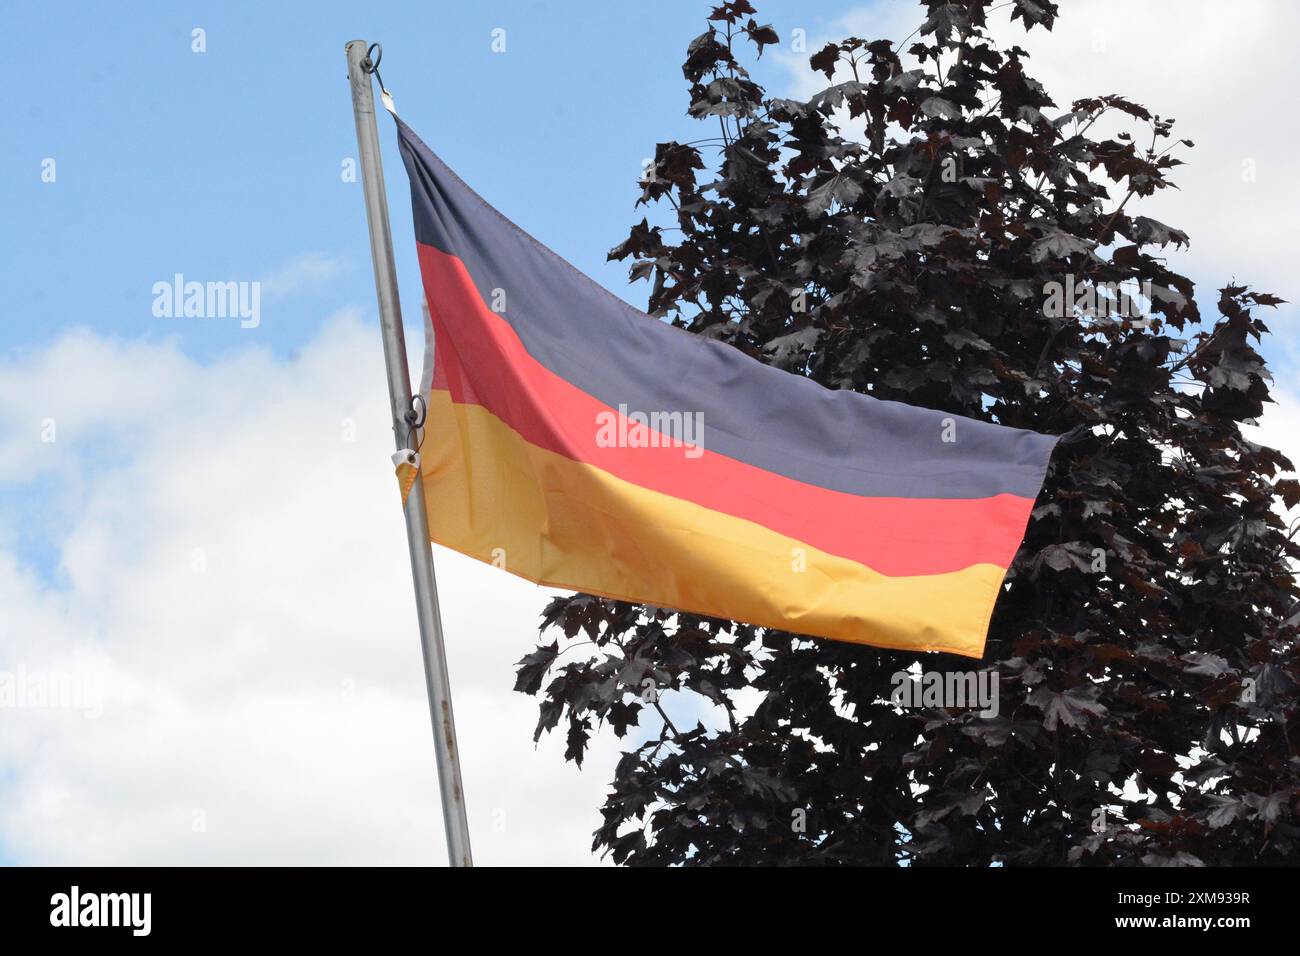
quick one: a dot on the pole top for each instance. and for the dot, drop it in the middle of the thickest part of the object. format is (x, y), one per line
(368, 61)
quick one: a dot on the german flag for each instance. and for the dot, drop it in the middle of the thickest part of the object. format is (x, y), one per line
(580, 443)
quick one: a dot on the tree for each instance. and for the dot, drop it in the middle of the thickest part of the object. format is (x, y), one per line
(1146, 640)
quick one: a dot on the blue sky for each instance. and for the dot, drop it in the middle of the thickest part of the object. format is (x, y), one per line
(197, 437)
(226, 164)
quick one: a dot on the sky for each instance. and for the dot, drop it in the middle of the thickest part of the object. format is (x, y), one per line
(199, 534)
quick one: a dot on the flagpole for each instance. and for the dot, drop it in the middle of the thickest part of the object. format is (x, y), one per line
(417, 525)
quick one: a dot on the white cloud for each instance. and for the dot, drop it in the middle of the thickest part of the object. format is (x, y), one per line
(307, 270)
(1221, 70)
(236, 603)
(1279, 428)
(234, 575)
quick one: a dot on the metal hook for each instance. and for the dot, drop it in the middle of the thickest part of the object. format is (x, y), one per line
(415, 420)
(372, 66)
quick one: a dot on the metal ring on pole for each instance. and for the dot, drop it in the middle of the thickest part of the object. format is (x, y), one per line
(372, 65)
(415, 421)
(417, 418)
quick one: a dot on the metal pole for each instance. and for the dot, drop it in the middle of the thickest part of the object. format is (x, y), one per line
(417, 525)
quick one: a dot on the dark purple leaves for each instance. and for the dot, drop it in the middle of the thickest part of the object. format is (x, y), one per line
(1147, 638)
(1071, 707)
(533, 668)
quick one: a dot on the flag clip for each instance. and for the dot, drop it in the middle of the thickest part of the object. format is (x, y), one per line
(371, 65)
(407, 463)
